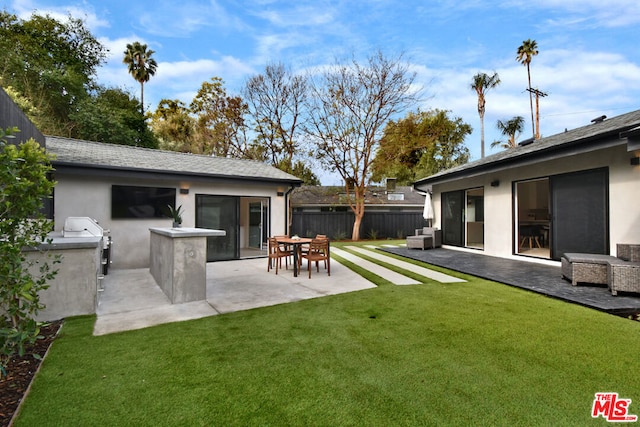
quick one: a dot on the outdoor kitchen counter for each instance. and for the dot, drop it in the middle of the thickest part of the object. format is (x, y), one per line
(58, 241)
(179, 261)
(74, 290)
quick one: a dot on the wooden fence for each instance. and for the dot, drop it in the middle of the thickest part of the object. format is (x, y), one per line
(11, 115)
(339, 225)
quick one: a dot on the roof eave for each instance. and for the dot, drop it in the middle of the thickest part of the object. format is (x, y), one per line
(100, 170)
(586, 145)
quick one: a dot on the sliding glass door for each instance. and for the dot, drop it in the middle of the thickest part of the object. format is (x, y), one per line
(533, 218)
(563, 213)
(474, 218)
(580, 212)
(257, 222)
(219, 213)
(463, 218)
(453, 218)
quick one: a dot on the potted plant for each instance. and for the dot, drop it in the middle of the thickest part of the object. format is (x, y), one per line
(176, 214)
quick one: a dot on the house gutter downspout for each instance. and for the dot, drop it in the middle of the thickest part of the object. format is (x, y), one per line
(286, 203)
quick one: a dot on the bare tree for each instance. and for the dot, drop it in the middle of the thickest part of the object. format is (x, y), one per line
(275, 100)
(349, 106)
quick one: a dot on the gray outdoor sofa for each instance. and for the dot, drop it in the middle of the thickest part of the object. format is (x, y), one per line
(425, 238)
(619, 273)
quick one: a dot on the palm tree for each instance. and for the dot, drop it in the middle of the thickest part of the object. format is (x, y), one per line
(511, 129)
(141, 65)
(526, 52)
(481, 83)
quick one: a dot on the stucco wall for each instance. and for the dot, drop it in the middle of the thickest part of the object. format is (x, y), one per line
(91, 196)
(624, 203)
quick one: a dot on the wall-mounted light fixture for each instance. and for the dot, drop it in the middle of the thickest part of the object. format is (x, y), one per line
(280, 194)
(495, 183)
(184, 191)
(635, 161)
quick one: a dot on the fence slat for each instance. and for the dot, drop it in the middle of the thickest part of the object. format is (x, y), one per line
(339, 225)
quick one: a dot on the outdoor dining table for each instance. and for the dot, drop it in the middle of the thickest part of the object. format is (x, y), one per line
(296, 243)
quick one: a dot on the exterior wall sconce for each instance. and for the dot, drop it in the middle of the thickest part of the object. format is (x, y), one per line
(280, 194)
(635, 161)
(495, 183)
(184, 191)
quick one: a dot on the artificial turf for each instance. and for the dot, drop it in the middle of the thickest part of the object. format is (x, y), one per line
(474, 353)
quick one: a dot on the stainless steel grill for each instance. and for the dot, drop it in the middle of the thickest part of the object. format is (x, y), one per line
(81, 226)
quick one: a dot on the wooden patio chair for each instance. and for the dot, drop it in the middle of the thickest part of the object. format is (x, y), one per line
(277, 252)
(318, 251)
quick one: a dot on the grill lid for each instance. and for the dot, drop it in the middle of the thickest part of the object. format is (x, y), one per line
(80, 226)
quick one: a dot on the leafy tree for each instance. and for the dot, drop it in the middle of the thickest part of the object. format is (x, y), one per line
(420, 145)
(348, 108)
(526, 52)
(113, 116)
(300, 170)
(220, 121)
(50, 63)
(141, 65)
(511, 129)
(481, 83)
(173, 125)
(23, 187)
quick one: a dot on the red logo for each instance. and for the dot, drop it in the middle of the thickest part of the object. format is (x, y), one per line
(612, 408)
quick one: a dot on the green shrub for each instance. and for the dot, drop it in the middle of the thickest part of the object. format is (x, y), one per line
(23, 187)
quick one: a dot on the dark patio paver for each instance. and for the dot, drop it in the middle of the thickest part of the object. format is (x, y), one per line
(540, 278)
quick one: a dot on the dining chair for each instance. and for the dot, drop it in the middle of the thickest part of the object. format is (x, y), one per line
(277, 252)
(318, 251)
(304, 248)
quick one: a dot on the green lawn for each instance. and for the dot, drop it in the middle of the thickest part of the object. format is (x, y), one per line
(474, 353)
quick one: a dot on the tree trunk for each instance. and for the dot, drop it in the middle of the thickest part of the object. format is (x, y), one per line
(355, 235)
(142, 97)
(482, 135)
(358, 211)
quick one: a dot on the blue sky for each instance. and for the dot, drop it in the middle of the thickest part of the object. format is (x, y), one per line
(589, 60)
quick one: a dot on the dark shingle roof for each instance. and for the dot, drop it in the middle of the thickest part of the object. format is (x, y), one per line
(79, 153)
(308, 195)
(572, 141)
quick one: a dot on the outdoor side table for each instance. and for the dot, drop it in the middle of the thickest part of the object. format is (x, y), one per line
(623, 276)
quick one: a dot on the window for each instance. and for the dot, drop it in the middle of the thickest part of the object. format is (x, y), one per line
(141, 202)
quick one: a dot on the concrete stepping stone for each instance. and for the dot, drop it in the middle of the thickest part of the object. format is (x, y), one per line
(431, 274)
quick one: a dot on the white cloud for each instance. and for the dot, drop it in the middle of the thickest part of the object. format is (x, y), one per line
(25, 8)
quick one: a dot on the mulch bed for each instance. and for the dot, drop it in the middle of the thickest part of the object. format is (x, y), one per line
(20, 372)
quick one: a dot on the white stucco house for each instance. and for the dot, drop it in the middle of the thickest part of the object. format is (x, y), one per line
(577, 191)
(127, 190)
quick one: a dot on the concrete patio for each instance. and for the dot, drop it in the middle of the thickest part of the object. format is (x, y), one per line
(131, 299)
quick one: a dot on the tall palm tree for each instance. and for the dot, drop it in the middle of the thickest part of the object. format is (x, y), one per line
(481, 83)
(526, 52)
(141, 65)
(511, 129)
